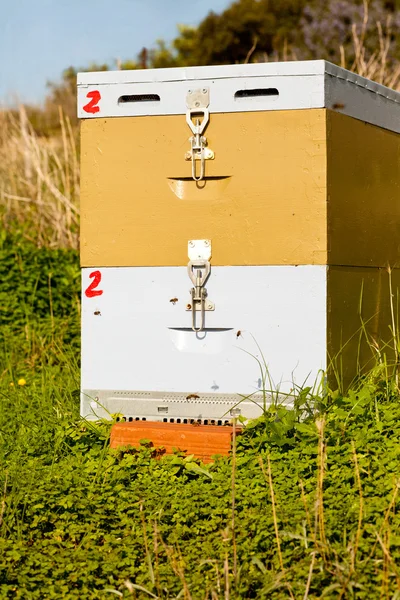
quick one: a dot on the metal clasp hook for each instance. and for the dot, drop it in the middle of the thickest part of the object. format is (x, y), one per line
(197, 117)
(199, 269)
(198, 127)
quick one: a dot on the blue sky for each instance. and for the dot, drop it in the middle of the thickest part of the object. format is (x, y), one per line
(40, 38)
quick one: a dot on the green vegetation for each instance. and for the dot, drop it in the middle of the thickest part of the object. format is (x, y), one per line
(261, 30)
(39, 300)
(306, 507)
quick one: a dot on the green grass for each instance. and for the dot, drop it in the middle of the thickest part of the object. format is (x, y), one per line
(307, 506)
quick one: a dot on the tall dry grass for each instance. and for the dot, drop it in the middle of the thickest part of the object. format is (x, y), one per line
(39, 176)
(39, 181)
(376, 66)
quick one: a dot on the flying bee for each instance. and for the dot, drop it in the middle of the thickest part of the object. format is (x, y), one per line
(238, 333)
(196, 424)
(192, 397)
(174, 301)
(97, 313)
(188, 307)
(338, 105)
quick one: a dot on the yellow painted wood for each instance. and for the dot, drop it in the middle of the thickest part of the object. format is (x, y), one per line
(265, 203)
(286, 187)
(359, 320)
(363, 193)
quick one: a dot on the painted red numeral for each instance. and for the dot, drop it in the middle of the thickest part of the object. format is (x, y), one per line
(91, 107)
(91, 290)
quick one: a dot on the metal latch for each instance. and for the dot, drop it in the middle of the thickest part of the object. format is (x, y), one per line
(197, 117)
(199, 269)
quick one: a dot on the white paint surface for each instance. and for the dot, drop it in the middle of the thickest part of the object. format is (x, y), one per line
(301, 85)
(142, 342)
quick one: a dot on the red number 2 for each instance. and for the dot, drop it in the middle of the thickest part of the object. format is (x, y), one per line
(91, 290)
(91, 107)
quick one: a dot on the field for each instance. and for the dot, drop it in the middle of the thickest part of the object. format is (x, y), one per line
(306, 507)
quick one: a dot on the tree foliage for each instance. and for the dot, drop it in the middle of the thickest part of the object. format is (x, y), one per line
(258, 30)
(328, 27)
(256, 27)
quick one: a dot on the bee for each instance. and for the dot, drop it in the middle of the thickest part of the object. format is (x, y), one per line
(238, 333)
(196, 424)
(174, 301)
(192, 397)
(97, 313)
(188, 307)
(338, 105)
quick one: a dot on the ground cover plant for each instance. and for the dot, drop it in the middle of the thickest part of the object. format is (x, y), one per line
(306, 506)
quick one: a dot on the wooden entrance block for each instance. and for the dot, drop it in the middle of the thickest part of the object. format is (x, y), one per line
(204, 441)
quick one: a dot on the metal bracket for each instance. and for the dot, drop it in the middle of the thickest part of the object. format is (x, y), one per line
(197, 117)
(199, 249)
(199, 269)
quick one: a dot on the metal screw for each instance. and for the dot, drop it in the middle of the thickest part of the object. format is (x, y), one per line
(204, 90)
(190, 92)
(191, 244)
(206, 243)
(197, 103)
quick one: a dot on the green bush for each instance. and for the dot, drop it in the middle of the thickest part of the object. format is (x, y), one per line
(39, 295)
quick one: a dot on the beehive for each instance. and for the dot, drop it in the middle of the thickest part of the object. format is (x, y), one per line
(298, 207)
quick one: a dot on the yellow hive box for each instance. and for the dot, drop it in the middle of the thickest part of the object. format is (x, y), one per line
(289, 184)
